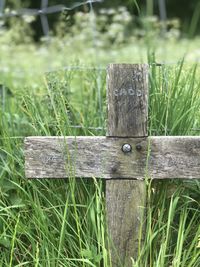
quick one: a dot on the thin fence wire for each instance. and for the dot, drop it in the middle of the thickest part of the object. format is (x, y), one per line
(102, 68)
(43, 11)
(81, 127)
(92, 68)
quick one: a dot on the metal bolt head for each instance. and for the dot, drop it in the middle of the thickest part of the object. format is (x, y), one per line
(126, 148)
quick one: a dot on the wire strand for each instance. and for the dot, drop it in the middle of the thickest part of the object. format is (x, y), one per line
(87, 128)
(45, 9)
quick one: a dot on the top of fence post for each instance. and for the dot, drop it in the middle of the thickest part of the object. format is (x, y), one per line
(127, 100)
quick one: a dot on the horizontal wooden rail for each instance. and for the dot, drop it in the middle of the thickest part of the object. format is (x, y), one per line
(103, 157)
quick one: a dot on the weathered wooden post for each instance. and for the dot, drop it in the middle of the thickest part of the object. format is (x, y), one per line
(123, 158)
(125, 198)
(116, 157)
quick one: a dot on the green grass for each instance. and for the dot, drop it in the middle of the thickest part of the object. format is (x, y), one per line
(62, 222)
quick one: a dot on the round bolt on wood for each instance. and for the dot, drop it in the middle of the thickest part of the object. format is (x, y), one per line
(126, 148)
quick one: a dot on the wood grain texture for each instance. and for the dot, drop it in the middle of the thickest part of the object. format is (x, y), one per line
(174, 157)
(127, 96)
(59, 157)
(127, 100)
(126, 202)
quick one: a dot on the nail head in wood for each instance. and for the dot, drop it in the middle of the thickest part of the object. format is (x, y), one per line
(126, 148)
(138, 147)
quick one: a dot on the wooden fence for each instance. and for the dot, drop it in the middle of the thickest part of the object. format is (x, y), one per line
(125, 158)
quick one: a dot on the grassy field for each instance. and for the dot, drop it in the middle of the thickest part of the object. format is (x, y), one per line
(62, 222)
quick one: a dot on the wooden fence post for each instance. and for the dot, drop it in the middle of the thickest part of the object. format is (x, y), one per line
(126, 199)
(124, 156)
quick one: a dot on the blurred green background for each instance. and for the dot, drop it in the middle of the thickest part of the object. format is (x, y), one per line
(187, 12)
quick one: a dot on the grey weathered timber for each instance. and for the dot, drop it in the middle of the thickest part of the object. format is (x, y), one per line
(60, 157)
(126, 201)
(127, 100)
(127, 117)
(124, 158)
(158, 158)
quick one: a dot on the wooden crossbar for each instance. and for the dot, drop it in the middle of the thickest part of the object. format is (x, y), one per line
(153, 157)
